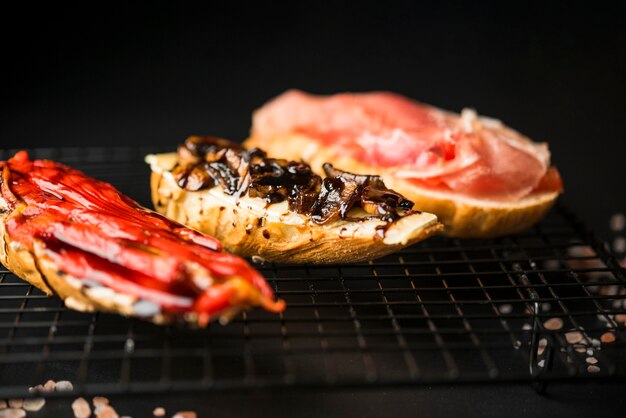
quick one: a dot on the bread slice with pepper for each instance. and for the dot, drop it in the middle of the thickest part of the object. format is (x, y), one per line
(280, 210)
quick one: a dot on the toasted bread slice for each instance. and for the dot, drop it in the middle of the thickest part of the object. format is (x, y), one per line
(251, 227)
(462, 216)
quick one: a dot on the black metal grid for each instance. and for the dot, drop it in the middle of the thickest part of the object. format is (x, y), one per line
(443, 311)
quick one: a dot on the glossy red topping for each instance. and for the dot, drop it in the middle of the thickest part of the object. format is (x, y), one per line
(472, 156)
(93, 232)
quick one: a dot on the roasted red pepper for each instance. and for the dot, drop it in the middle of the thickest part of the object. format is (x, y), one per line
(92, 232)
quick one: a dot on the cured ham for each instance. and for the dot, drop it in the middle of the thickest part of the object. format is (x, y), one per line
(465, 154)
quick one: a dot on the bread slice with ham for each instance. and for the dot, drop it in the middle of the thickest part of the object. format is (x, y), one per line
(480, 177)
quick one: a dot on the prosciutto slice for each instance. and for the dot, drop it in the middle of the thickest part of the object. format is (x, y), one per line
(469, 155)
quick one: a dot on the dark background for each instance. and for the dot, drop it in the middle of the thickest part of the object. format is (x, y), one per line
(155, 72)
(151, 73)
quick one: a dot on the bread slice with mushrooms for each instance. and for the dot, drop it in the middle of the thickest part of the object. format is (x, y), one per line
(280, 210)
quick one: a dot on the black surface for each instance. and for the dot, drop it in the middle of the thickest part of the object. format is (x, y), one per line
(153, 73)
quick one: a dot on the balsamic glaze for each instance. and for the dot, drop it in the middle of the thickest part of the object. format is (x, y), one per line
(206, 162)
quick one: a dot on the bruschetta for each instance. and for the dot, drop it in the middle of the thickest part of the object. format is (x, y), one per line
(481, 178)
(280, 210)
(82, 240)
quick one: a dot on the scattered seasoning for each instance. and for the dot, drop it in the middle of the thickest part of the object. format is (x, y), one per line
(107, 412)
(574, 337)
(593, 369)
(99, 400)
(12, 413)
(49, 386)
(527, 327)
(81, 408)
(159, 412)
(541, 363)
(185, 414)
(591, 360)
(607, 338)
(580, 348)
(505, 309)
(16, 403)
(541, 346)
(64, 386)
(36, 389)
(34, 404)
(617, 222)
(553, 324)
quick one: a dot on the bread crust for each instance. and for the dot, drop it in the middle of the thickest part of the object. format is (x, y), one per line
(39, 270)
(250, 227)
(463, 217)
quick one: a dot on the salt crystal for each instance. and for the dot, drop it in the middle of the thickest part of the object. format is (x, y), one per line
(573, 337)
(541, 346)
(64, 386)
(159, 412)
(505, 309)
(16, 403)
(593, 369)
(617, 222)
(81, 408)
(591, 360)
(517, 344)
(553, 324)
(621, 318)
(34, 404)
(619, 245)
(107, 412)
(580, 348)
(36, 389)
(99, 400)
(185, 414)
(546, 307)
(607, 338)
(49, 386)
(527, 327)
(541, 363)
(12, 413)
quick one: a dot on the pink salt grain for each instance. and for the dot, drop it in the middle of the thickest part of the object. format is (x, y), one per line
(553, 324)
(185, 414)
(574, 337)
(81, 408)
(159, 412)
(107, 412)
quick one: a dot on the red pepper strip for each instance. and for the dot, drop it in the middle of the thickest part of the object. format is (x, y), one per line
(88, 266)
(94, 232)
(6, 193)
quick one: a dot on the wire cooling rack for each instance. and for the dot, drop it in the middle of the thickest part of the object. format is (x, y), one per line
(547, 304)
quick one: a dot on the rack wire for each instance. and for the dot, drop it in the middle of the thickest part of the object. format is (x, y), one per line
(547, 304)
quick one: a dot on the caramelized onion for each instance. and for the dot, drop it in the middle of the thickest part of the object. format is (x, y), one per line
(206, 162)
